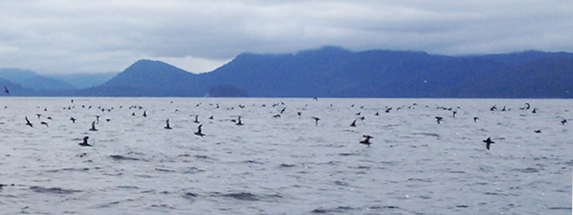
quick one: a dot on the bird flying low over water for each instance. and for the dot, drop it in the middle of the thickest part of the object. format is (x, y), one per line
(366, 141)
(85, 142)
(316, 119)
(167, 124)
(488, 142)
(353, 123)
(6, 90)
(439, 119)
(564, 121)
(199, 133)
(28, 123)
(73, 119)
(93, 126)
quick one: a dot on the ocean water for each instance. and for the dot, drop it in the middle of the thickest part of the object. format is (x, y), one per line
(287, 164)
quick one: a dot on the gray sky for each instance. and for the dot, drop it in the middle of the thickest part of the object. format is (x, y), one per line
(70, 36)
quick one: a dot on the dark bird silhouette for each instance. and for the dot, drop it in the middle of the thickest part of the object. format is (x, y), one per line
(488, 142)
(534, 110)
(73, 119)
(211, 117)
(537, 131)
(277, 116)
(283, 110)
(353, 123)
(316, 119)
(239, 121)
(376, 114)
(6, 90)
(144, 113)
(493, 108)
(454, 113)
(44, 123)
(388, 110)
(167, 124)
(93, 126)
(85, 142)
(198, 133)
(28, 123)
(527, 106)
(196, 119)
(564, 121)
(439, 119)
(299, 114)
(476, 119)
(39, 115)
(366, 141)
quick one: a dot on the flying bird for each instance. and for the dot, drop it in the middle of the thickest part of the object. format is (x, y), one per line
(439, 119)
(316, 119)
(564, 121)
(366, 141)
(199, 133)
(85, 142)
(196, 119)
(488, 142)
(73, 119)
(167, 124)
(6, 90)
(353, 123)
(28, 123)
(44, 123)
(93, 126)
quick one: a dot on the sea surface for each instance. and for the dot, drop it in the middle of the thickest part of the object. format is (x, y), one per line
(285, 163)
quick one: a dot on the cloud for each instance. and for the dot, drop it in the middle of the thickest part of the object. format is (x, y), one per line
(65, 36)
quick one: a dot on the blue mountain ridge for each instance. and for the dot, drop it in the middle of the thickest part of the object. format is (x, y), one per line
(337, 72)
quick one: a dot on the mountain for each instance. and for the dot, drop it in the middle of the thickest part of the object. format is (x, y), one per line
(13, 89)
(336, 72)
(31, 80)
(148, 78)
(84, 80)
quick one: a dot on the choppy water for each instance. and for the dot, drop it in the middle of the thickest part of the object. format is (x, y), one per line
(287, 164)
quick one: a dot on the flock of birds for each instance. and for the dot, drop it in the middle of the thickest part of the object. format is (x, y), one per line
(366, 141)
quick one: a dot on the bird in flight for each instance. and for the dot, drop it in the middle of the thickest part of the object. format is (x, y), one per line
(199, 133)
(488, 142)
(28, 123)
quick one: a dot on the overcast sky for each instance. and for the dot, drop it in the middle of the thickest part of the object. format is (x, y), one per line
(72, 36)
